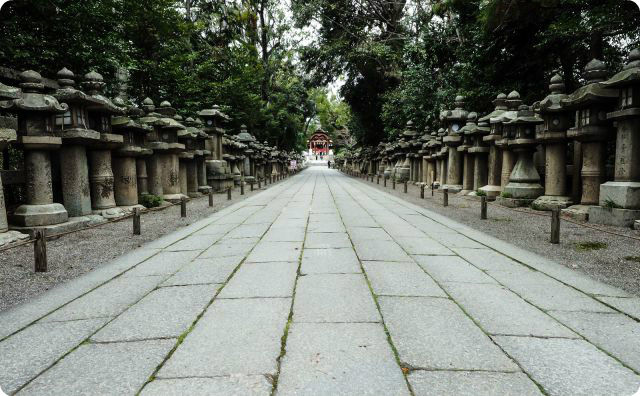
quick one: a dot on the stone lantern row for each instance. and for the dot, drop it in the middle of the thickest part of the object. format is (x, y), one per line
(579, 151)
(110, 154)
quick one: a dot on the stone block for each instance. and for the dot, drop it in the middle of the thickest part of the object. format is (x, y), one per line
(327, 240)
(233, 337)
(624, 194)
(203, 271)
(163, 263)
(368, 233)
(499, 311)
(270, 279)
(570, 367)
(275, 251)
(616, 334)
(326, 261)
(230, 247)
(423, 245)
(323, 297)
(514, 202)
(254, 385)
(194, 242)
(99, 369)
(471, 383)
(550, 202)
(164, 313)
(452, 269)
(577, 212)
(433, 333)
(400, 279)
(613, 216)
(26, 354)
(371, 250)
(339, 359)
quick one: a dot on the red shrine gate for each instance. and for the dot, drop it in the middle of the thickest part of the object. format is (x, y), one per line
(319, 143)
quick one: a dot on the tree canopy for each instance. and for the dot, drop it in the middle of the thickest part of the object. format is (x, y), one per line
(268, 62)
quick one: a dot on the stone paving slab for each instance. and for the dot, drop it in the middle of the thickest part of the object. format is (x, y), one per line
(116, 368)
(570, 367)
(499, 311)
(471, 383)
(164, 313)
(110, 299)
(233, 337)
(452, 269)
(368, 233)
(249, 385)
(230, 247)
(422, 246)
(433, 333)
(371, 250)
(202, 271)
(339, 359)
(275, 251)
(334, 226)
(285, 234)
(270, 279)
(31, 351)
(616, 334)
(630, 306)
(249, 230)
(195, 242)
(334, 298)
(163, 263)
(327, 261)
(400, 279)
(547, 293)
(326, 240)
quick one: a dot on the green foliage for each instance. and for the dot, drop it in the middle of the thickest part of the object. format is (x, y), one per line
(480, 193)
(505, 194)
(194, 53)
(150, 201)
(611, 204)
(590, 245)
(633, 258)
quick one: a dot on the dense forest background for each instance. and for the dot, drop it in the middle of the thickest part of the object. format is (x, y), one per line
(270, 63)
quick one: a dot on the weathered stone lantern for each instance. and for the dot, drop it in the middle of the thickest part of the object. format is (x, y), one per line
(73, 127)
(245, 138)
(7, 136)
(620, 199)
(492, 188)
(507, 132)
(129, 167)
(101, 176)
(217, 173)
(591, 103)
(432, 147)
(477, 151)
(170, 158)
(453, 121)
(198, 146)
(554, 138)
(36, 117)
(187, 159)
(155, 143)
(524, 183)
(463, 149)
(442, 157)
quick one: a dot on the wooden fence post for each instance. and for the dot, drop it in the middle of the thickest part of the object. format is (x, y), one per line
(555, 225)
(211, 197)
(422, 191)
(40, 250)
(136, 221)
(483, 208)
(405, 187)
(229, 194)
(183, 207)
(445, 197)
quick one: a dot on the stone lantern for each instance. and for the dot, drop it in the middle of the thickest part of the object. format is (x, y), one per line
(155, 143)
(453, 121)
(554, 137)
(524, 182)
(442, 157)
(7, 136)
(477, 151)
(506, 131)
(200, 151)
(128, 183)
(170, 157)
(188, 163)
(468, 160)
(245, 138)
(73, 127)
(591, 103)
(101, 176)
(217, 173)
(36, 117)
(492, 188)
(620, 199)
(433, 147)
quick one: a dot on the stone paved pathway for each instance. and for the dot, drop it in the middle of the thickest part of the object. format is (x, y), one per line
(323, 285)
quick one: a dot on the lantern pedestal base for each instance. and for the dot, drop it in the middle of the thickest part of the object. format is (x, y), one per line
(549, 202)
(613, 216)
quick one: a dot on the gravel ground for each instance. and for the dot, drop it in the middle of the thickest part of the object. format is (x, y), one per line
(616, 263)
(75, 254)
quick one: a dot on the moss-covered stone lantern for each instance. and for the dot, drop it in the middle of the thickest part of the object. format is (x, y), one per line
(36, 118)
(8, 136)
(492, 188)
(590, 104)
